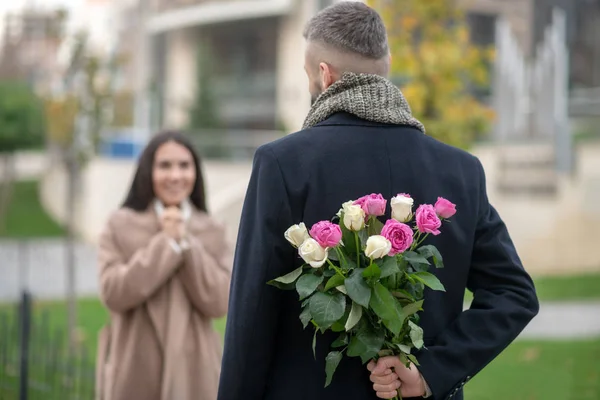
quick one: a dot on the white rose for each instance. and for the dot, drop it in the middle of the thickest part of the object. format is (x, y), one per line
(348, 203)
(296, 234)
(402, 208)
(313, 253)
(377, 247)
(354, 217)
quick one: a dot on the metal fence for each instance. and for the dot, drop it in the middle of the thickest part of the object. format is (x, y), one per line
(36, 362)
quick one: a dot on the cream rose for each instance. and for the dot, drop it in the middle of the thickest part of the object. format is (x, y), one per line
(348, 203)
(354, 217)
(312, 253)
(297, 234)
(402, 207)
(378, 247)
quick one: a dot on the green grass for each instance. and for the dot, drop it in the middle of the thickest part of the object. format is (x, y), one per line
(561, 288)
(91, 317)
(26, 217)
(540, 371)
(527, 370)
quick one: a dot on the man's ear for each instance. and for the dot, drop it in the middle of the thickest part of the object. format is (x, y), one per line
(326, 75)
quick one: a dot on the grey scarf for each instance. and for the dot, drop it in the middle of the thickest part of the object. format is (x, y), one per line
(370, 97)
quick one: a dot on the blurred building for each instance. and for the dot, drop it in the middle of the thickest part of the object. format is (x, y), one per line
(30, 46)
(255, 53)
(529, 20)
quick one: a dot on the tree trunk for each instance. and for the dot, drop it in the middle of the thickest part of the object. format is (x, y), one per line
(6, 187)
(72, 173)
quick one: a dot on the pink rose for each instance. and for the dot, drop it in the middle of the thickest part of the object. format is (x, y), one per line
(444, 208)
(427, 219)
(326, 234)
(399, 234)
(372, 205)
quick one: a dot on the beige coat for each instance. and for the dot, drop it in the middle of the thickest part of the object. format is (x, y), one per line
(160, 344)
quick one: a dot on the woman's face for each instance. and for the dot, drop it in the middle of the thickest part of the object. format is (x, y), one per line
(173, 173)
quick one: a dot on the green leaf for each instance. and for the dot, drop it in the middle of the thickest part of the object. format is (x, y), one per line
(348, 262)
(357, 288)
(404, 359)
(366, 344)
(429, 280)
(432, 251)
(334, 281)
(337, 327)
(372, 272)
(363, 235)
(326, 308)
(348, 239)
(413, 359)
(341, 341)
(307, 284)
(404, 348)
(416, 289)
(332, 255)
(385, 353)
(412, 308)
(354, 317)
(328, 273)
(389, 267)
(416, 334)
(375, 226)
(305, 317)
(402, 294)
(387, 308)
(402, 263)
(331, 363)
(286, 279)
(416, 260)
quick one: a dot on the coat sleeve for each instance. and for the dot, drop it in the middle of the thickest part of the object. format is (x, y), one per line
(261, 254)
(504, 303)
(126, 284)
(206, 276)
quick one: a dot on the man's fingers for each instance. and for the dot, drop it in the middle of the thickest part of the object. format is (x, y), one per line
(385, 363)
(384, 379)
(387, 395)
(387, 391)
(371, 366)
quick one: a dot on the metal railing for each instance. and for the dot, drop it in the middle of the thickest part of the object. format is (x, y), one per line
(36, 362)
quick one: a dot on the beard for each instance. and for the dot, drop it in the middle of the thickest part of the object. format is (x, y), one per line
(314, 94)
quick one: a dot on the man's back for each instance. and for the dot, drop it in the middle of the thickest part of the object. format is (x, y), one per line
(306, 177)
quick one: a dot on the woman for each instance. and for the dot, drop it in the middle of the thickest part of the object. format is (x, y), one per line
(164, 275)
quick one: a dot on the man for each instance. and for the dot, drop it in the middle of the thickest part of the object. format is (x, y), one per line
(361, 138)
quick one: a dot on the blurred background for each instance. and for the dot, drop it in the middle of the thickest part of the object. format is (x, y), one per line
(85, 83)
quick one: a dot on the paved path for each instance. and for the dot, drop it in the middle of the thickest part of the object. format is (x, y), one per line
(40, 264)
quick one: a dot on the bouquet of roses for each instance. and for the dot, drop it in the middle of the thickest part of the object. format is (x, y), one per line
(365, 279)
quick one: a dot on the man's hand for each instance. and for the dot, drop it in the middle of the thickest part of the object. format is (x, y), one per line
(172, 223)
(389, 376)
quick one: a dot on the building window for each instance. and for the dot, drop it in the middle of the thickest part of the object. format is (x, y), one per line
(482, 28)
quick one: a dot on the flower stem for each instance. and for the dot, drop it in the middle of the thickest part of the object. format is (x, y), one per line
(340, 254)
(339, 271)
(357, 250)
(422, 240)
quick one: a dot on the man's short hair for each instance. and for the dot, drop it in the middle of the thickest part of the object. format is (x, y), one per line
(350, 27)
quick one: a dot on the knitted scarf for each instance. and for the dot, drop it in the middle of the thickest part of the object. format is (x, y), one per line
(370, 97)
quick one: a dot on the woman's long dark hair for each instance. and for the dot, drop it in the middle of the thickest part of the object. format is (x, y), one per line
(142, 193)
